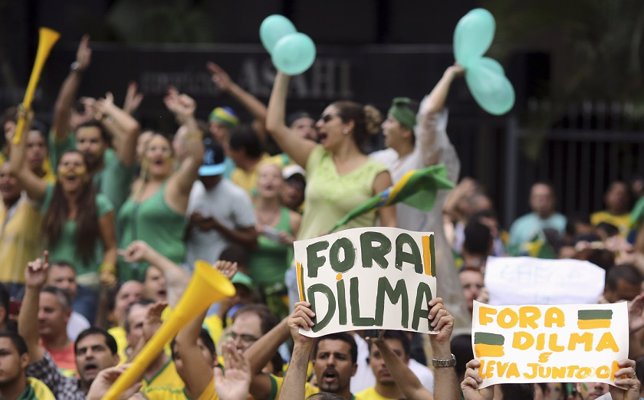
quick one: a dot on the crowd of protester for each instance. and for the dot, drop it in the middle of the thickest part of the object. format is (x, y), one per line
(103, 221)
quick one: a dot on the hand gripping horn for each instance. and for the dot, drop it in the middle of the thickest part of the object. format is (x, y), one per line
(207, 286)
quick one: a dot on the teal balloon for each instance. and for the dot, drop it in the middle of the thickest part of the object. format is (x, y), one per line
(473, 36)
(273, 28)
(294, 54)
(490, 87)
(491, 64)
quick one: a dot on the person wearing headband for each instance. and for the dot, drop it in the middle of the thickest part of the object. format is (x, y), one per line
(417, 140)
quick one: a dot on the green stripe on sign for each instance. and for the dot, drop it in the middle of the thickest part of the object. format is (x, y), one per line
(488, 338)
(595, 314)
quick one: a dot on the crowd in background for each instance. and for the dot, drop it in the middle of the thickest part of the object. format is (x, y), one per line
(124, 213)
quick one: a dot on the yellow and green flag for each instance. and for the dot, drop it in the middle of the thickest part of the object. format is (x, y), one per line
(488, 344)
(417, 188)
(594, 319)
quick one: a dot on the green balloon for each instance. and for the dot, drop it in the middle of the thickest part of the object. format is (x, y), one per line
(490, 87)
(294, 54)
(273, 28)
(473, 36)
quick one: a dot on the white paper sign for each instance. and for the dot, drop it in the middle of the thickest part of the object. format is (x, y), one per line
(527, 280)
(551, 343)
(367, 278)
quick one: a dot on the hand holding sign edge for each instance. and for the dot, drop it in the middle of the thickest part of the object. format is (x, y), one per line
(301, 319)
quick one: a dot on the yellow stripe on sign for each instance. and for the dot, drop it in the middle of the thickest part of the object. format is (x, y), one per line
(593, 323)
(488, 350)
(427, 263)
(300, 281)
(395, 189)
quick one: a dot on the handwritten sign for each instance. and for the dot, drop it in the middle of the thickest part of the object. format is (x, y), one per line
(552, 343)
(526, 280)
(367, 278)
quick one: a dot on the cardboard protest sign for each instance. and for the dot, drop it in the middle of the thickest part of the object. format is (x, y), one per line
(551, 343)
(527, 280)
(367, 278)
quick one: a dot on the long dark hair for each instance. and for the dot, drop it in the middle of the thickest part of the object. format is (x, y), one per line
(87, 227)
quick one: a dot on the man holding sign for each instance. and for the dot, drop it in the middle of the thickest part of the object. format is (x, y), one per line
(341, 275)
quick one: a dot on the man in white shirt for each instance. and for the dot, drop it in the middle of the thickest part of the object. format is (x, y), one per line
(220, 212)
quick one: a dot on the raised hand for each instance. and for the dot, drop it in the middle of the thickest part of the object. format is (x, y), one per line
(219, 77)
(105, 379)
(181, 105)
(36, 271)
(302, 317)
(628, 386)
(636, 313)
(233, 384)
(84, 53)
(441, 321)
(153, 321)
(136, 251)
(471, 382)
(133, 98)
(227, 268)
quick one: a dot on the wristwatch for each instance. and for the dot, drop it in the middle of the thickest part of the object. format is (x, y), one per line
(449, 363)
(75, 67)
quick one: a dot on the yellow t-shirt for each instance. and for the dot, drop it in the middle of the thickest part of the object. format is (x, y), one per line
(214, 326)
(38, 390)
(371, 394)
(20, 239)
(118, 333)
(209, 393)
(278, 381)
(248, 180)
(167, 381)
(622, 222)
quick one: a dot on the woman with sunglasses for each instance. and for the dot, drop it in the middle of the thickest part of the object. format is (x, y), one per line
(339, 174)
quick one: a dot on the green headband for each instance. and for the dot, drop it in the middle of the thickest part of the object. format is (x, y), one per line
(225, 116)
(401, 110)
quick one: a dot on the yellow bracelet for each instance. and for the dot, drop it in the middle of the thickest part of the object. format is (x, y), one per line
(107, 267)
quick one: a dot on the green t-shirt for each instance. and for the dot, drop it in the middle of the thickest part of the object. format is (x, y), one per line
(330, 196)
(270, 260)
(154, 222)
(65, 247)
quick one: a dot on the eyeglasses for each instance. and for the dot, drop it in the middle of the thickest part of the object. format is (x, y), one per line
(243, 337)
(327, 117)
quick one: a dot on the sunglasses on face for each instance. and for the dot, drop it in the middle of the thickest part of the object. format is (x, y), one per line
(327, 117)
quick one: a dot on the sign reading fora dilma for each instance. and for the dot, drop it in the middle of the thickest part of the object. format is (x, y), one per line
(367, 278)
(549, 343)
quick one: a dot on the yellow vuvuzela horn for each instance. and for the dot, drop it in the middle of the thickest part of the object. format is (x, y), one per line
(46, 40)
(207, 286)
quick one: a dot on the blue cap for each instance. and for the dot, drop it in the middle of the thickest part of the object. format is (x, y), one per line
(213, 159)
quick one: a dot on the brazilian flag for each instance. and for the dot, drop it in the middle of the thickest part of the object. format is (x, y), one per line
(488, 344)
(417, 188)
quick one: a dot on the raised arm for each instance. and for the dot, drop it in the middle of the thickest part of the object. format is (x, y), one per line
(295, 380)
(260, 353)
(257, 109)
(442, 321)
(35, 278)
(35, 186)
(64, 102)
(107, 229)
(193, 369)
(430, 132)
(180, 183)
(176, 277)
(295, 146)
(123, 128)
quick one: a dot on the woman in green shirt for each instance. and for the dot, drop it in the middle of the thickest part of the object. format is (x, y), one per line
(339, 174)
(78, 224)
